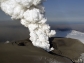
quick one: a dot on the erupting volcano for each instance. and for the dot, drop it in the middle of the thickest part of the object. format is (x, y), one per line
(32, 15)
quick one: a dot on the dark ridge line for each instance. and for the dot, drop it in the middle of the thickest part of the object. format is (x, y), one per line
(51, 45)
(60, 56)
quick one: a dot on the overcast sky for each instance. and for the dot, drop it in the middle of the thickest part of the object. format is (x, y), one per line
(60, 10)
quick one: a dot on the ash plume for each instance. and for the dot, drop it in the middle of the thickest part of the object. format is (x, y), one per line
(32, 15)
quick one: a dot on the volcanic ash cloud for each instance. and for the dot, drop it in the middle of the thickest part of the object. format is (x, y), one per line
(32, 15)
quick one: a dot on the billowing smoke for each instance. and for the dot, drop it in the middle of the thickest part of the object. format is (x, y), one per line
(32, 15)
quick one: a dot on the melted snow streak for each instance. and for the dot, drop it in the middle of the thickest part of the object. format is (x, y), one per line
(32, 15)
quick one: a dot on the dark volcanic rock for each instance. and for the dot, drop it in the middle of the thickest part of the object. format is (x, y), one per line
(68, 47)
(66, 51)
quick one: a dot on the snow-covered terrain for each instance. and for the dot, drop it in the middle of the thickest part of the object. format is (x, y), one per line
(71, 34)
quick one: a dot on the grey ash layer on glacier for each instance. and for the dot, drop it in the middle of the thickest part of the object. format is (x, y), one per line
(31, 14)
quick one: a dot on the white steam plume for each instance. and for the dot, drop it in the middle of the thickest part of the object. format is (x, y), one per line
(31, 14)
